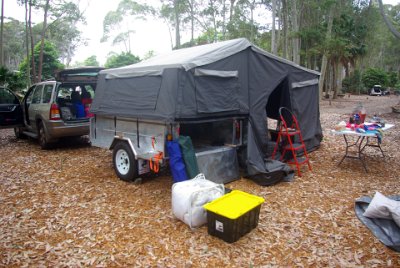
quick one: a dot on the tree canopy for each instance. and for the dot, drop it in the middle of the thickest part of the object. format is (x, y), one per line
(374, 76)
(119, 60)
(91, 61)
(340, 38)
(51, 62)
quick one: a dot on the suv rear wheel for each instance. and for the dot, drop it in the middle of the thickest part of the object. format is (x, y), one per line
(43, 141)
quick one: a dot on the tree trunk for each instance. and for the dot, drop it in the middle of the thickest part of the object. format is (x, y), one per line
(325, 56)
(252, 7)
(177, 24)
(273, 30)
(295, 28)
(1, 34)
(215, 39)
(223, 19)
(191, 7)
(231, 8)
(332, 81)
(68, 59)
(285, 29)
(338, 80)
(171, 39)
(32, 44)
(40, 66)
(387, 21)
(28, 69)
(278, 34)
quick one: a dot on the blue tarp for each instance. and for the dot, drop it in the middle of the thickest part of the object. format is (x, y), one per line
(385, 230)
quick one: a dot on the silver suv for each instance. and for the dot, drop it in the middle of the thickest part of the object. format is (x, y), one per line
(375, 91)
(59, 108)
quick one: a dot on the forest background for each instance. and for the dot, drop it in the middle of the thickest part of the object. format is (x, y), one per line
(353, 43)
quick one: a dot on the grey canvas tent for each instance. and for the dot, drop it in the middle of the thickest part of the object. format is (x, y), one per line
(226, 79)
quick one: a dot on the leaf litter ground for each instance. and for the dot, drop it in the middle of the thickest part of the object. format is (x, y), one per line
(66, 207)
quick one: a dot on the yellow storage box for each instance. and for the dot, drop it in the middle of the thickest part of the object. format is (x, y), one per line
(233, 215)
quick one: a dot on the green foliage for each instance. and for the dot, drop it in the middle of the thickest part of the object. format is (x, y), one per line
(111, 21)
(241, 28)
(353, 82)
(64, 11)
(61, 30)
(359, 36)
(123, 59)
(13, 43)
(51, 62)
(149, 54)
(10, 79)
(383, 48)
(114, 23)
(66, 37)
(393, 79)
(91, 61)
(374, 76)
(354, 32)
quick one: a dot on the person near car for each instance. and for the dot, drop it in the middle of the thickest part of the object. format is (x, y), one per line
(77, 102)
(86, 99)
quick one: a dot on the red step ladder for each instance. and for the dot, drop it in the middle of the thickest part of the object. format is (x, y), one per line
(290, 140)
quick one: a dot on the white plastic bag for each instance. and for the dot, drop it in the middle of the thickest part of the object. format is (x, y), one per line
(188, 198)
(383, 207)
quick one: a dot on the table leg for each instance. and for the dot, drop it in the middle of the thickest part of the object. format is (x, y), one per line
(377, 145)
(360, 148)
(347, 149)
(360, 153)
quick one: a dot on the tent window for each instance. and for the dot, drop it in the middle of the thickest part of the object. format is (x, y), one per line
(138, 93)
(216, 91)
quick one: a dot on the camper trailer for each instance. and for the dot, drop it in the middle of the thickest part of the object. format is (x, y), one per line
(220, 95)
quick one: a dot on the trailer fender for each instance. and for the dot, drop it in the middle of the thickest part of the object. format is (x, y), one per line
(123, 139)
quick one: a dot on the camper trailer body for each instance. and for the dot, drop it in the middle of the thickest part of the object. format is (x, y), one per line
(208, 93)
(215, 142)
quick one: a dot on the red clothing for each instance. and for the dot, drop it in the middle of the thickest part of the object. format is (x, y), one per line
(87, 102)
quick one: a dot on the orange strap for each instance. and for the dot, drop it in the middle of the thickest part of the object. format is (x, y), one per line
(154, 162)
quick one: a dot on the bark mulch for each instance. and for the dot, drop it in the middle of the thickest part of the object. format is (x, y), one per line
(66, 207)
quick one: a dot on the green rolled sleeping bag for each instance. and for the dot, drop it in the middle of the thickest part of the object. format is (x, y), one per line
(189, 156)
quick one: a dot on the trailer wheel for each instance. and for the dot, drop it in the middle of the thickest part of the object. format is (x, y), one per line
(125, 164)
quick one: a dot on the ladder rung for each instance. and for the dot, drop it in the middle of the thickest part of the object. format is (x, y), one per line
(300, 161)
(290, 133)
(295, 146)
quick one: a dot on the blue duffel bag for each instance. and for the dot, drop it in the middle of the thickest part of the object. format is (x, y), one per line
(178, 169)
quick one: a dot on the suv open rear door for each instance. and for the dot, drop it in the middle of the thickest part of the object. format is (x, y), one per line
(10, 109)
(78, 75)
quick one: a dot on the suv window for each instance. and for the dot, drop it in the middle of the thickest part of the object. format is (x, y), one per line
(64, 92)
(37, 95)
(48, 89)
(30, 94)
(89, 89)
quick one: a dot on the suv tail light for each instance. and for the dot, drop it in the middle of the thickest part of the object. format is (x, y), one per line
(54, 112)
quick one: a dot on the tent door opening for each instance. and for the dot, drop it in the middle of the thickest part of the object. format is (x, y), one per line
(279, 97)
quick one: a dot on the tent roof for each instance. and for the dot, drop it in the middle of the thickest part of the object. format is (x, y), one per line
(189, 58)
